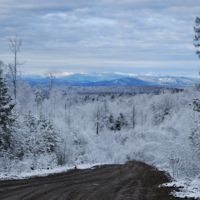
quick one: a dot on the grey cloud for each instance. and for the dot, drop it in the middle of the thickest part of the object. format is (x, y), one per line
(105, 31)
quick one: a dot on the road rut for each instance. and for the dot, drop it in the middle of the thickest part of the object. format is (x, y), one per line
(131, 181)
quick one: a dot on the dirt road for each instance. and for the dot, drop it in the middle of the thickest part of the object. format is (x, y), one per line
(134, 180)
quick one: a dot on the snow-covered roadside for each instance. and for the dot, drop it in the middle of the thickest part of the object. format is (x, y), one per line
(46, 172)
(189, 188)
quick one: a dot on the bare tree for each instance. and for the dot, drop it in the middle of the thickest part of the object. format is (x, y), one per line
(14, 45)
(51, 75)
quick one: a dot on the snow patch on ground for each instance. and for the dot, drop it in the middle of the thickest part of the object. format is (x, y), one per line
(189, 188)
(46, 172)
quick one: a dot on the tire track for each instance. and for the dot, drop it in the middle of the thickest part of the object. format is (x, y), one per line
(134, 180)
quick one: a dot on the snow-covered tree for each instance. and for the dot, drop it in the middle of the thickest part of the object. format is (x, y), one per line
(133, 117)
(25, 97)
(111, 122)
(195, 133)
(49, 136)
(197, 35)
(117, 124)
(6, 116)
(39, 98)
(30, 121)
(160, 111)
(195, 137)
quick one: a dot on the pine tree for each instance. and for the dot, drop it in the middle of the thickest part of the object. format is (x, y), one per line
(195, 137)
(120, 122)
(195, 133)
(30, 122)
(46, 142)
(111, 122)
(29, 126)
(6, 116)
(39, 98)
(48, 135)
(123, 120)
(197, 35)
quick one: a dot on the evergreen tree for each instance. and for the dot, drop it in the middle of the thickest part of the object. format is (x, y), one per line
(6, 116)
(30, 127)
(197, 35)
(49, 136)
(111, 122)
(41, 142)
(195, 133)
(195, 137)
(39, 98)
(30, 122)
(120, 122)
(46, 142)
(123, 120)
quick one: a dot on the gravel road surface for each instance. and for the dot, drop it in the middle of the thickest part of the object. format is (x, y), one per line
(133, 180)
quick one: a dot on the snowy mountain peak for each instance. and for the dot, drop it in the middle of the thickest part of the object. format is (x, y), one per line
(111, 79)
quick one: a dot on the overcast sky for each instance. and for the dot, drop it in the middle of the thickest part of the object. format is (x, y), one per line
(129, 36)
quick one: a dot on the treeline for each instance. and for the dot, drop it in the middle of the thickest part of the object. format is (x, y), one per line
(41, 131)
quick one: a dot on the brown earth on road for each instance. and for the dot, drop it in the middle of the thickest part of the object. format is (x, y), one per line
(132, 181)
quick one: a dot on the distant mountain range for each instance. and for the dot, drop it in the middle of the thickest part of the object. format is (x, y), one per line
(112, 79)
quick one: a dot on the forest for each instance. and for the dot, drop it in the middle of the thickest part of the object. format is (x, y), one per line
(69, 126)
